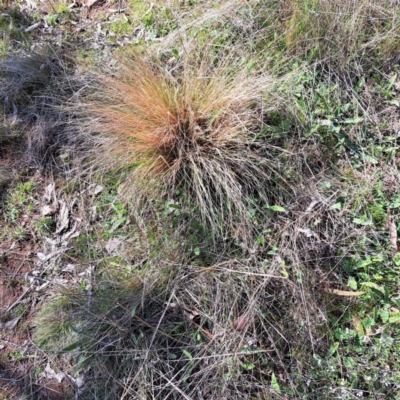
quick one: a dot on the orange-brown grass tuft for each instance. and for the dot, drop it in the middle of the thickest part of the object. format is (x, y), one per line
(198, 134)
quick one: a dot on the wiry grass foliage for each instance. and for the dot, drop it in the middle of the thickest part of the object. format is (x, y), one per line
(198, 133)
(33, 85)
(342, 31)
(180, 338)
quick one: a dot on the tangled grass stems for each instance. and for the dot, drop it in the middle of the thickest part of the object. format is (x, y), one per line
(342, 31)
(180, 341)
(33, 87)
(197, 135)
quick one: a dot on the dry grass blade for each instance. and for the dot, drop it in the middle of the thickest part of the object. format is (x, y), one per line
(391, 227)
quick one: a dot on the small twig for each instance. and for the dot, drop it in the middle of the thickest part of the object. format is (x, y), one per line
(205, 331)
(32, 27)
(14, 343)
(51, 5)
(16, 302)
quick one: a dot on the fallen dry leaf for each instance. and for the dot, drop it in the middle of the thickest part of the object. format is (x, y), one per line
(391, 227)
(96, 190)
(50, 194)
(240, 322)
(48, 210)
(345, 293)
(312, 205)
(112, 245)
(63, 220)
(50, 373)
(92, 3)
(10, 325)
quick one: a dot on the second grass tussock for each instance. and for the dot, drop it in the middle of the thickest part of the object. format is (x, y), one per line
(195, 135)
(33, 85)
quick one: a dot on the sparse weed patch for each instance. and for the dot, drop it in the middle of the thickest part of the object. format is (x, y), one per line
(10, 23)
(20, 200)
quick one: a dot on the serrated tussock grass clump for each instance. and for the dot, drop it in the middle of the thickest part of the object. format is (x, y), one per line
(198, 133)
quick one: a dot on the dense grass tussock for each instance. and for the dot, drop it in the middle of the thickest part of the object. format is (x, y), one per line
(215, 332)
(32, 87)
(197, 135)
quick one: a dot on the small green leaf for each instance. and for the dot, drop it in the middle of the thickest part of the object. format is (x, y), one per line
(361, 221)
(378, 292)
(396, 259)
(336, 206)
(248, 366)
(71, 347)
(312, 130)
(394, 102)
(135, 340)
(392, 81)
(349, 362)
(229, 376)
(352, 283)
(261, 240)
(363, 263)
(354, 383)
(369, 158)
(83, 360)
(302, 105)
(176, 206)
(386, 293)
(274, 383)
(197, 251)
(175, 52)
(277, 208)
(326, 185)
(172, 356)
(117, 224)
(395, 318)
(354, 120)
(133, 311)
(369, 322)
(333, 348)
(384, 314)
(370, 285)
(187, 354)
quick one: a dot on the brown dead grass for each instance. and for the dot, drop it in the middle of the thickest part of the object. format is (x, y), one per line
(343, 29)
